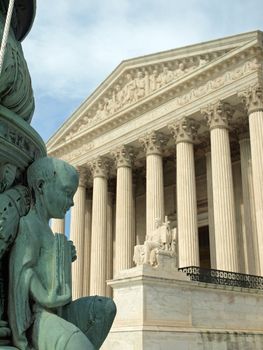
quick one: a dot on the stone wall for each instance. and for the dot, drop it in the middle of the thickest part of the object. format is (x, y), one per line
(166, 311)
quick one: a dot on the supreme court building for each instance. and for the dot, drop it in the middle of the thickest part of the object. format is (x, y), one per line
(177, 134)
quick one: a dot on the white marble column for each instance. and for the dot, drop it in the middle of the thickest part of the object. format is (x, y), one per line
(249, 206)
(139, 176)
(210, 204)
(223, 192)
(134, 212)
(124, 210)
(99, 228)
(184, 132)
(253, 98)
(152, 143)
(109, 263)
(239, 214)
(58, 225)
(77, 232)
(254, 220)
(87, 244)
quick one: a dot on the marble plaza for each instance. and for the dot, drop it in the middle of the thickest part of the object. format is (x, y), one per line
(173, 142)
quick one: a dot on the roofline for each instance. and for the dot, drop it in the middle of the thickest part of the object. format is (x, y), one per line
(247, 36)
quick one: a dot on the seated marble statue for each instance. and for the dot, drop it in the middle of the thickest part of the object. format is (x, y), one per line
(162, 240)
(41, 312)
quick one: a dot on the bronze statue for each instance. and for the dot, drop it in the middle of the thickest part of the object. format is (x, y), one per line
(36, 307)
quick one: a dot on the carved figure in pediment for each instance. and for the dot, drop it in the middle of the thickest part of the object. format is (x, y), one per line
(139, 86)
(153, 80)
(202, 61)
(109, 106)
(100, 114)
(181, 70)
(41, 312)
(129, 89)
(192, 65)
(254, 64)
(118, 94)
(165, 77)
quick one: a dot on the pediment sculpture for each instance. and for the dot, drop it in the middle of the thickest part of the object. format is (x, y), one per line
(136, 84)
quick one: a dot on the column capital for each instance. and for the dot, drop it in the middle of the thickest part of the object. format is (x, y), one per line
(252, 98)
(82, 176)
(99, 167)
(218, 115)
(123, 156)
(153, 142)
(185, 130)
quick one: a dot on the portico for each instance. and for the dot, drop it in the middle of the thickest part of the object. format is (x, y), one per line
(151, 142)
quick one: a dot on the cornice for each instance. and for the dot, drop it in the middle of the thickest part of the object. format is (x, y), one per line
(189, 55)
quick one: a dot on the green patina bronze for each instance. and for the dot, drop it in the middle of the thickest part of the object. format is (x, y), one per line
(40, 271)
(36, 307)
(15, 84)
(23, 17)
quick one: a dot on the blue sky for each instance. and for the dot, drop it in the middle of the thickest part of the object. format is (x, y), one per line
(74, 45)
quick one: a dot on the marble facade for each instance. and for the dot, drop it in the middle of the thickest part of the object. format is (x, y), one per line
(176, 134)
(167, 311)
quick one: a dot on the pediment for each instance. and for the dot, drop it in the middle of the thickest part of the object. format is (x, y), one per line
(138, 79)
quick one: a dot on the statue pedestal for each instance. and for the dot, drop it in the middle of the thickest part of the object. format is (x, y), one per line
(162, 309)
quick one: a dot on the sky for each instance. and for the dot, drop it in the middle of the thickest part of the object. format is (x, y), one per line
(74, 45)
